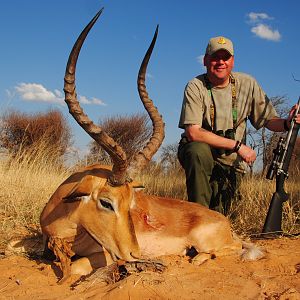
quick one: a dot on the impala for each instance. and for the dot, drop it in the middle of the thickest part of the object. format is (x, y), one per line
(98, 214)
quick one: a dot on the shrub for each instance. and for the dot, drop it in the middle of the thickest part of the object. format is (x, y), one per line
(24, 132)
(130, 132)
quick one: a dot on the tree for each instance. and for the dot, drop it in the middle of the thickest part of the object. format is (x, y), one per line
(169, 157)
(263, 140)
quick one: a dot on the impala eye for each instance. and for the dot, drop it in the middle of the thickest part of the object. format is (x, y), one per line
(106, 204)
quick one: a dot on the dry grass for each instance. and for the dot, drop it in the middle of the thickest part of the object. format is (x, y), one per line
(164, 184)
(26, 183)
(249, 215)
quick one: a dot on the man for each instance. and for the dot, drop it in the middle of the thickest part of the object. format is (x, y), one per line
(215, 109)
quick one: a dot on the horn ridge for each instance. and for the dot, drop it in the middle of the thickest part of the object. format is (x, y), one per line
(115, 151)
(155, 141)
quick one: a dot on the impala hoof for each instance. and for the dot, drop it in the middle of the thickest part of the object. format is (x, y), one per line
(201, 258)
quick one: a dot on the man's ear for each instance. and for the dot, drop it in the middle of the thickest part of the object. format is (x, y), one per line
(84, 188)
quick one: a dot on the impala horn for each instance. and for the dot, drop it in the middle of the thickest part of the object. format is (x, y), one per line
(115, 151)
(143, 157)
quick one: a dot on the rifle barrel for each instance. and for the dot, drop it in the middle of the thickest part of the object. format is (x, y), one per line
(280, 165)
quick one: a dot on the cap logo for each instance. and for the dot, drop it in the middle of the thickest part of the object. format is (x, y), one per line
(221, 41)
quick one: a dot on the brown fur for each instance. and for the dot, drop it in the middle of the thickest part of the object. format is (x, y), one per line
(141, 225)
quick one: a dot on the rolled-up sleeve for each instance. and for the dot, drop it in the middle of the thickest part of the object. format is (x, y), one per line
(192, 106)
(262, 109)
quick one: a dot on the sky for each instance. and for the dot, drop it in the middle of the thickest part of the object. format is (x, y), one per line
(37, 37)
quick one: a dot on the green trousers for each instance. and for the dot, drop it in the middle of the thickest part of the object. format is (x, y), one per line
(208, 182)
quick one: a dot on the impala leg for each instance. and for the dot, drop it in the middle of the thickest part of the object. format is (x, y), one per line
(213, 240)
(232, 249)
(63, 252)
(200, 258)
(85, 265)
(108, 257)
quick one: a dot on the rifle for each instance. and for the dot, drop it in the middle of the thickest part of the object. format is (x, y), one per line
(279, 167)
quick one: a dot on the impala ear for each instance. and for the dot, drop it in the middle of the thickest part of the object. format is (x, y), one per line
(137, 186)
(83, 189)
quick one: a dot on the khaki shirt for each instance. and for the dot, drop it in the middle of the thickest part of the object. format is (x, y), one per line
(252, 104)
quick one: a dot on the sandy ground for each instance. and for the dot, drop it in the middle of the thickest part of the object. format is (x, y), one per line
(275, 277)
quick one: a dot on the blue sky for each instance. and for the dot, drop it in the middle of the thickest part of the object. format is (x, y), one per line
(37, 36)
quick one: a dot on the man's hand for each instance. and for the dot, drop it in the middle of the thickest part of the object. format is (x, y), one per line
(247, 154)
(291, 114)
(280, 125)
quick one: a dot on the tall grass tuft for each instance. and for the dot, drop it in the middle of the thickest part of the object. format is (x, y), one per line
(249, 214)
(27, 180)
(160, 182)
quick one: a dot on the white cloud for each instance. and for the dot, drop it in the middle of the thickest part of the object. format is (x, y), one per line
(266, 32)
(261, 28)
(97, 101)
(85, 100)
(58, 93)
(10, 94)
(257, 17)
(38, 93)
(200, 60)
(148, 75)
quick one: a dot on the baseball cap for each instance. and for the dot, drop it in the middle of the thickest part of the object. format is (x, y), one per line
(218, 43)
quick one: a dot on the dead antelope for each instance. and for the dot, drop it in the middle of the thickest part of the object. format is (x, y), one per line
(97, 214)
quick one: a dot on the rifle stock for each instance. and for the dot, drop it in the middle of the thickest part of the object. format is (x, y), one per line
(274, 216)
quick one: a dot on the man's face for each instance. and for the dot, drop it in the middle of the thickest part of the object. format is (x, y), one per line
(219, 65)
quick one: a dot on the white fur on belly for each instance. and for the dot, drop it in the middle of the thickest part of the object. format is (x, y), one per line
(153, 245)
